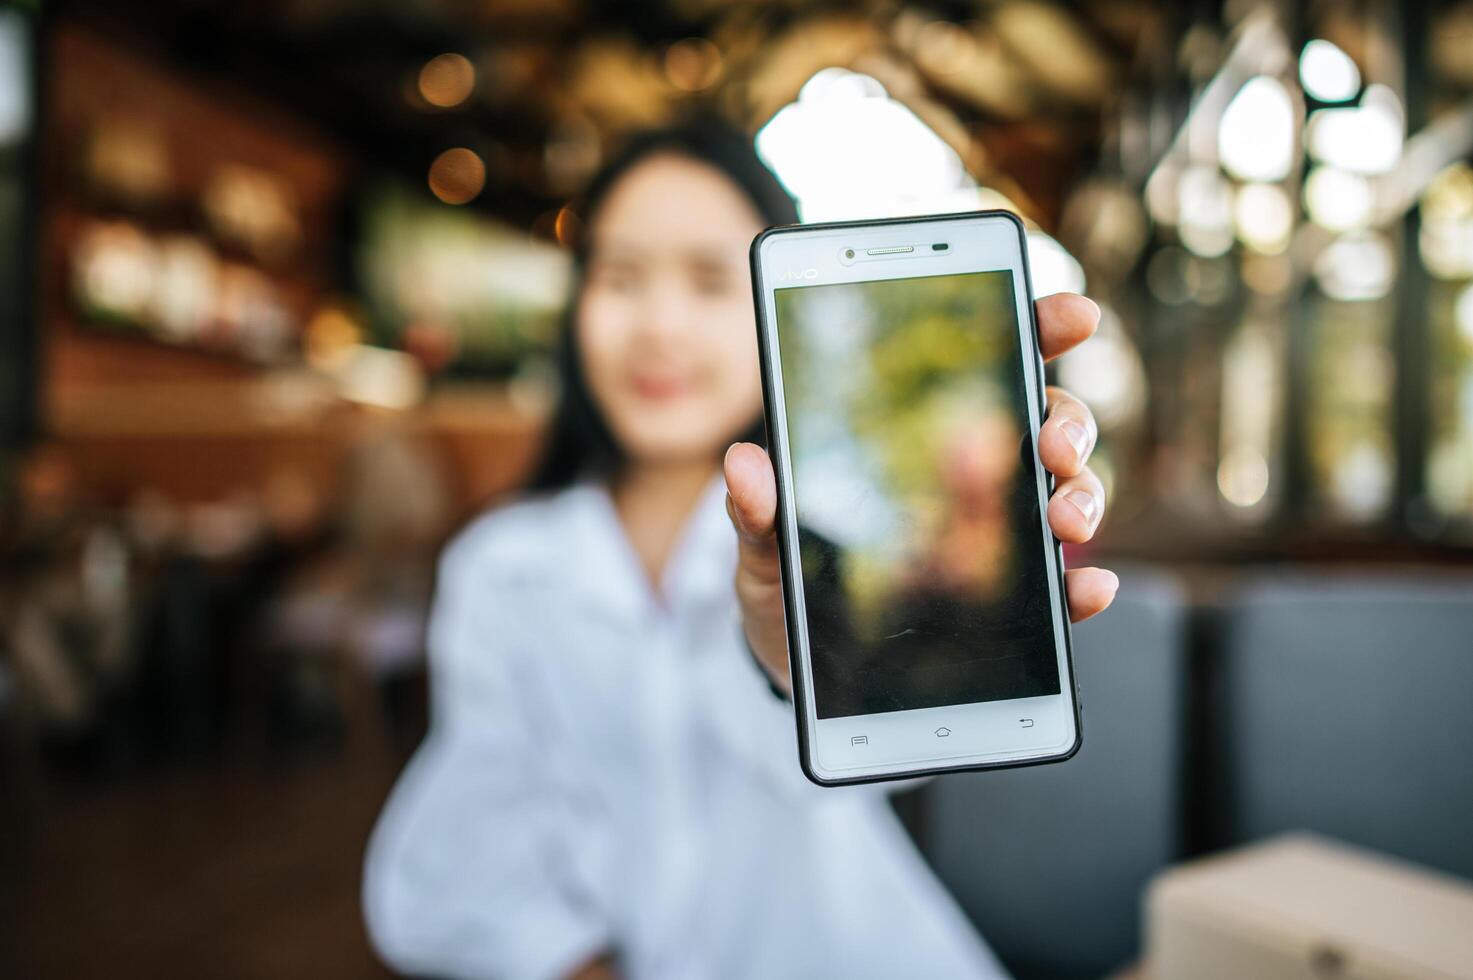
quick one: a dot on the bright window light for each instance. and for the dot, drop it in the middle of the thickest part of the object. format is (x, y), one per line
(1364, 139)
(1053, 269)
(1255, 139)
(1327, 73)
(846, 150)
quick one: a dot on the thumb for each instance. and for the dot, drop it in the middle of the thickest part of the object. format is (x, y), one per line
(751, 502)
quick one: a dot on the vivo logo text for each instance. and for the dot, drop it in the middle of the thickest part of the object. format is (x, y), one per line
(790, 274)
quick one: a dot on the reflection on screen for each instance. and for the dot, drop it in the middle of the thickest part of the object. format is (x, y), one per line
(919, 526)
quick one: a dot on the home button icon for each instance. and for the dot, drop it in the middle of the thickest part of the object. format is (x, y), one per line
(943, 732)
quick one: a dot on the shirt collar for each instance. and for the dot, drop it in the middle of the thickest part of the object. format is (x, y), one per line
(701, 565)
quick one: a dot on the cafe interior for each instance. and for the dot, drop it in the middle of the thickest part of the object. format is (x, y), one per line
(280, 289)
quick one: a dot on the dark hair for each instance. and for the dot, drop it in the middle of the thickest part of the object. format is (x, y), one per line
(578, 442)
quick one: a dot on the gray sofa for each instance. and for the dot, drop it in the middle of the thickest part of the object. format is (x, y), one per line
(1339, 703)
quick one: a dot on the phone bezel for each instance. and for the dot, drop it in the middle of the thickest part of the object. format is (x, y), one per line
(778, 451)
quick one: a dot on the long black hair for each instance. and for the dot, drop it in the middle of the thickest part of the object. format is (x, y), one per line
(578, 442)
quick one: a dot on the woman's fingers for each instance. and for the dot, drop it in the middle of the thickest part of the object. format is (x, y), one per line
(1068, 436)
(1065, 320)
(1064, 443)
(1076, 507)
(751, 502)
(1090, 590)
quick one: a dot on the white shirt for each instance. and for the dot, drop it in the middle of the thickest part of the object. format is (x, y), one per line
(608, 770)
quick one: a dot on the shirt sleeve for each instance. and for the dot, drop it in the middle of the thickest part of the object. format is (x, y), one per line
(466, 875)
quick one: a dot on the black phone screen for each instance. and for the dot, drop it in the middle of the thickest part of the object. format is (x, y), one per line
(915, 489)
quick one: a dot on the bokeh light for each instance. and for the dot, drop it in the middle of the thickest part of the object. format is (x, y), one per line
(1327, 73)
(1364, 139)
(1264, 217)
(1242, 477)
(567, 227)
(693, 64)
(1255, 139)
(1268, 275)
(1205, 208)
(1107, 373)
(945, 48)
(1362, 482)
(330, 335)
(447, 80)
(1357, 266)
(457, 176)
(846, 149)
(1338, 200)
(1446, 238)
(1053, 269)
(378, 377)
(1463, 315)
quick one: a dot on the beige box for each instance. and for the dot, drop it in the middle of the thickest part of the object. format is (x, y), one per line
(1301, 907)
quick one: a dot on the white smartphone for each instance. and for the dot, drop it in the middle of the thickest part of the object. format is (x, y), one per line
(927, 620)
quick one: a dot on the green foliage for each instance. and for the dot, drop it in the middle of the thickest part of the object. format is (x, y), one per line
(941, 345)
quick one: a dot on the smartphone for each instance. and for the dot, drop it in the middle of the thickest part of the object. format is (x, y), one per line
(924, 592)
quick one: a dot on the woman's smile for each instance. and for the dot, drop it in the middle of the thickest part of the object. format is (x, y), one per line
(661, 387)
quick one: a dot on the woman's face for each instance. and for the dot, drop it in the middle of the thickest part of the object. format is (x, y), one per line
(665, 325)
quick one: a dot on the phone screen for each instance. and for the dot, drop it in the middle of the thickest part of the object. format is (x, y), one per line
(915, 492)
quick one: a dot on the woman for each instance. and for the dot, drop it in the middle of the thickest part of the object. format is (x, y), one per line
(610, 784)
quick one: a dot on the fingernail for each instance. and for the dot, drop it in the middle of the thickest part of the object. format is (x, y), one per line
(1086, 504)
(1077, 435)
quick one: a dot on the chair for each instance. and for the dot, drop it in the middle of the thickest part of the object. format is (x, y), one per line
(1050, 862)
(1344, 705)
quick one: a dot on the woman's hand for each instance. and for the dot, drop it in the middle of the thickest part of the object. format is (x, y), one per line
(1074, 511)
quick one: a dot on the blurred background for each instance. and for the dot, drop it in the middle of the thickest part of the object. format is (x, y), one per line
(278, 286)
